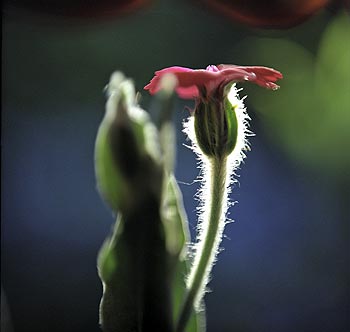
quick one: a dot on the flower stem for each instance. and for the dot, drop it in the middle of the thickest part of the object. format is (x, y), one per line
(213, 222)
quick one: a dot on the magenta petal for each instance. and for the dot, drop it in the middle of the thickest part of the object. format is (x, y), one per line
(191, 81)
(154, 85)
(196, 77)
(188, 80)
(264, 76)
(188, 93)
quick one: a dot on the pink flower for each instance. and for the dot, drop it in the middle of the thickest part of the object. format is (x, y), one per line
(194, 83)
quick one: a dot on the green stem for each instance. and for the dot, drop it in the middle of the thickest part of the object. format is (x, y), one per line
(212, 229)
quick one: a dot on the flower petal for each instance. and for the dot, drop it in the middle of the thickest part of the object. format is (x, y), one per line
(262, 76)
(154, 85)
(191, 81)
(188, 80)
(187, 93)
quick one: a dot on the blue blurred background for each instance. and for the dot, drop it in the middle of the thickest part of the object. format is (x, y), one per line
(285, 266)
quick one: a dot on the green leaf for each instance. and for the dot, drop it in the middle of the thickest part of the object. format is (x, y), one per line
(167, 138)
(144, 263)
(126, 143)
(165, 104)
(174, 218)
(134, 267)
(134, 264)
(197, 321)
(177, 235)
(109, 180)
(177, 239)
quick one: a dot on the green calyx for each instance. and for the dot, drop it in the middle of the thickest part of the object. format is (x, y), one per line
(216, 125)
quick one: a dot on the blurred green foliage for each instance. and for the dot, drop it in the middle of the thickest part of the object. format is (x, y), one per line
(144, 262)
(309, 116)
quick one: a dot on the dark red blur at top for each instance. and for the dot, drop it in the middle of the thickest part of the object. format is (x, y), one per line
(78, 8)
(268, 13)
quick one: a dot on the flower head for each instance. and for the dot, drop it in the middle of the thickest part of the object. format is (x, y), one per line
(219, 117)
(194, 83)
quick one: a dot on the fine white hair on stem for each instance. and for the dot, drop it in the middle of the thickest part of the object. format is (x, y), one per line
(214, 209)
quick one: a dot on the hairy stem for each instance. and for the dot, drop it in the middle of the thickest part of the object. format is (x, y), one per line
(213, 222)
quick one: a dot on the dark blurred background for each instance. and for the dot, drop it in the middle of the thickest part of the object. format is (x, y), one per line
(285, 266)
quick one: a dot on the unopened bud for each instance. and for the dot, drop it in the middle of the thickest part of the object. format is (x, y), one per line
(215, 124)
(126, 153)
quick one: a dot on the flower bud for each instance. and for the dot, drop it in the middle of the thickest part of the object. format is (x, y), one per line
(127, 155)
(215, 124)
